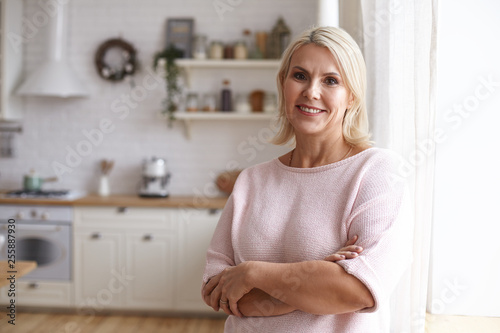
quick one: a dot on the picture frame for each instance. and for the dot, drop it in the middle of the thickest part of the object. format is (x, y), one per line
(180, 34)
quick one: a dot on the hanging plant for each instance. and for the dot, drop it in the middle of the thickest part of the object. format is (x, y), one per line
(172, 72)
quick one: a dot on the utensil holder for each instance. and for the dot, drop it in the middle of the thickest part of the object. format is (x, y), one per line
(104, 186)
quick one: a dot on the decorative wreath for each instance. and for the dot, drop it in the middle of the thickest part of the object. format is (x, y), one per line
(125, 66)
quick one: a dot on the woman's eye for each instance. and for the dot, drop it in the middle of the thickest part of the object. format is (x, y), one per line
(299, 76)
(330, 81)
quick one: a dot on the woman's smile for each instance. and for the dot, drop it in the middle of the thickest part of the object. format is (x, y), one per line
(309, 110)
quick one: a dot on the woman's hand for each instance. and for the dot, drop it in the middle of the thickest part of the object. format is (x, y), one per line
(208, 289)
(349, 251)
(227, 288)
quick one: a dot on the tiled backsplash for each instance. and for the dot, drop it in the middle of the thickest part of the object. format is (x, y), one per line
(68, 134)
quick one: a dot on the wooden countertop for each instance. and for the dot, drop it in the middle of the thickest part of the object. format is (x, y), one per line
(21, 268)
(129, 200)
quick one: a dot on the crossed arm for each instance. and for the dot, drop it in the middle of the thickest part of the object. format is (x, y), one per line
(257, 288)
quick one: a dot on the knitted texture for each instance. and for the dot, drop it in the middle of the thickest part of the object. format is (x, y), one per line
(282, 214)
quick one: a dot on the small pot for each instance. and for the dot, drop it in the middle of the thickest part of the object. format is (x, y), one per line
(32, 182)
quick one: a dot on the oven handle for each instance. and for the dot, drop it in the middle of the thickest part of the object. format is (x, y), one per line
(35, 227)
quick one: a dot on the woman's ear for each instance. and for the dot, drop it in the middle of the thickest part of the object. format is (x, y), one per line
(351, 101)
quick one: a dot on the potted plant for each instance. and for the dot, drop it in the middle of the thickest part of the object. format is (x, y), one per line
(172, 72)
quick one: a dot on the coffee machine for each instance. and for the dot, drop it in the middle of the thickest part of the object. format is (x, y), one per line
(155, 178)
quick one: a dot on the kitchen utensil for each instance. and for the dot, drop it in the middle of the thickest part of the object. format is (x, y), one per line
(33, 182)
(155, 178)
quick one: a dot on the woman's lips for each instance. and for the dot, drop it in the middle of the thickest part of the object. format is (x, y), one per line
(308, 110)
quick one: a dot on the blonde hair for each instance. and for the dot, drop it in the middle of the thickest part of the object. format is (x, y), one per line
(353, 71)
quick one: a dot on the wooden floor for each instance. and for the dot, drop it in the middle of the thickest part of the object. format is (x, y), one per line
(461, 324)
(68, 323)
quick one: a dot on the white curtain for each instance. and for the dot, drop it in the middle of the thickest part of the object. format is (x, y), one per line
(399, 39)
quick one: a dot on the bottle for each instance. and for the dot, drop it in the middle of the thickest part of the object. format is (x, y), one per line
(226, 97)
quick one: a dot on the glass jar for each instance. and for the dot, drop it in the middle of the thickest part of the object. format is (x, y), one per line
(229, 51)
(209, 103)
(242, 103)
(200, 47)
(216, 50)
(240, 50)
(270, 102)
(192, 102)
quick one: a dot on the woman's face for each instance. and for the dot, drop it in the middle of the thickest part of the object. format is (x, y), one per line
(315, 95)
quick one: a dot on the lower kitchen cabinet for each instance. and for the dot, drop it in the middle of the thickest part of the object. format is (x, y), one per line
(98, 263)
(123, 258)
(150, 263)
(196, 230)
(141, 258)
(40, 293)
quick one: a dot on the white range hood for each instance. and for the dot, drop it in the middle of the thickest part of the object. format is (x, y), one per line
(54, 77)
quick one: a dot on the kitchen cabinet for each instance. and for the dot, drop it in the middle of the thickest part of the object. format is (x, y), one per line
(131, 258)
(124, 257)
(97, 263)
(40, 293)
(196, 230)
(150, 260)
(141, 258)
(11, 58)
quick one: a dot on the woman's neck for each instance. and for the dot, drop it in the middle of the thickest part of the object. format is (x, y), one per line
(313, 153)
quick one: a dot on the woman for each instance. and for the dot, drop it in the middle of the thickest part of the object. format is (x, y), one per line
(269, 265)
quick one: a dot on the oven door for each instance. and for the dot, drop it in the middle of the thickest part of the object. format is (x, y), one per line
(47, 244)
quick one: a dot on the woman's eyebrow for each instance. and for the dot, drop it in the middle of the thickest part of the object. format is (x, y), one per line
(325, 74)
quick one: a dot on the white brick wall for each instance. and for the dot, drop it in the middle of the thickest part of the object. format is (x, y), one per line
(51, 125)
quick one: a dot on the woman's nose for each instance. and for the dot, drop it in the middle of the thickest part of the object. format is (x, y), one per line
(312, 91)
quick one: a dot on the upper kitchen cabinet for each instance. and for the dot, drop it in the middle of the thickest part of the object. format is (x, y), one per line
(11, 55)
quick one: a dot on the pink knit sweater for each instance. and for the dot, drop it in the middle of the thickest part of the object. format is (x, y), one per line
(283, 214)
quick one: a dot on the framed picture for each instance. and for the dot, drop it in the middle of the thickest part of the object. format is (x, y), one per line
(180, 34)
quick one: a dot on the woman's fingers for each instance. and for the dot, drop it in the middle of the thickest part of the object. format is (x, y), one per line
(347, 252)
(215, 297)
(233, 305)
(224, 305)
(352, 241)
(351, 248)
(335, 257)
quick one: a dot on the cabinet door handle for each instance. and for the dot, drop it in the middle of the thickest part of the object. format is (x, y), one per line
(213, 211)
(122, 210)
(96, 235)
(33, 285)
(148, 237)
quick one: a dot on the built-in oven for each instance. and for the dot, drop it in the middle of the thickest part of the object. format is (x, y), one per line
(42, 234)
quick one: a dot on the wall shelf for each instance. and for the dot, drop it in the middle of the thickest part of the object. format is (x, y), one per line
(228, 63)
(192, 64)
(188, 117)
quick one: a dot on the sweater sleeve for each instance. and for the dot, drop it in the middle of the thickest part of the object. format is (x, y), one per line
(381, 218)
(220, 253)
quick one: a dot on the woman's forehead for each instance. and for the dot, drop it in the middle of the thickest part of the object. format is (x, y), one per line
(313, 57)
